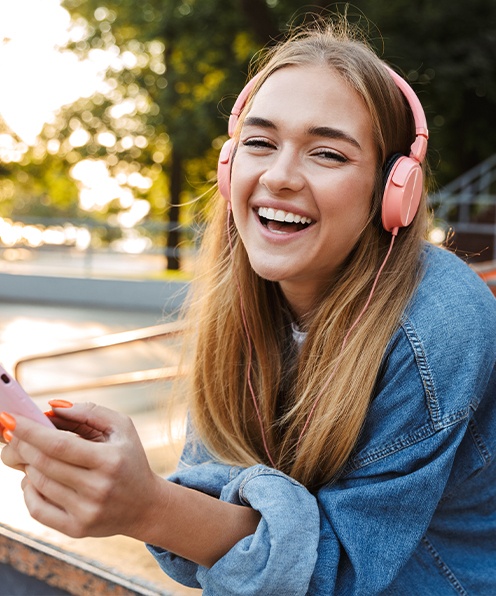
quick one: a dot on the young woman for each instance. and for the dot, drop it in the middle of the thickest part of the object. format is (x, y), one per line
(342, 428)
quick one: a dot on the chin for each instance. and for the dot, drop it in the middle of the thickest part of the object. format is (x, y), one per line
(267, 273)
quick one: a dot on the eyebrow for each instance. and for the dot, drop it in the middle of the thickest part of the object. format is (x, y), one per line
(256, 121)
(327, 132)
(333, 133)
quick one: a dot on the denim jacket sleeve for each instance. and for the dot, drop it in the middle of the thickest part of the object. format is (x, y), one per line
(418, 445)
(279, 558)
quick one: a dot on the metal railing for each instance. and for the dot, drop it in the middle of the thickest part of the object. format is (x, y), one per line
(467, 204)
(164, 330)
(41, 567)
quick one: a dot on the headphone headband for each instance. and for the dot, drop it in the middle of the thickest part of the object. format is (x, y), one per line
(419, 146)
(240, 103)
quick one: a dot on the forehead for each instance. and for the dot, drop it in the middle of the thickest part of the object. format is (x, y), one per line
(311, 96)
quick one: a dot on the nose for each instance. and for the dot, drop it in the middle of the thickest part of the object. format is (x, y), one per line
(283, 173)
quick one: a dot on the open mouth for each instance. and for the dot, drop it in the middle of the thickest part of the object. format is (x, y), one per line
(277, 220)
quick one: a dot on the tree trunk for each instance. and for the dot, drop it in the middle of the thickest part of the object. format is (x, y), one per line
(174, 234)
(261, 20)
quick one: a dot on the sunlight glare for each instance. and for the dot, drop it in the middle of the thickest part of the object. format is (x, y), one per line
(43, 336)
(37, 77)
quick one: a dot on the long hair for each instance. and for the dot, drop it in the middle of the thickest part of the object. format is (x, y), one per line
(237, 318)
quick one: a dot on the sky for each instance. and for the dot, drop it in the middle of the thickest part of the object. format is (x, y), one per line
(36, 77)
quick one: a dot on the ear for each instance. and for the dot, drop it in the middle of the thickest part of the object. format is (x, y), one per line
(224, 169)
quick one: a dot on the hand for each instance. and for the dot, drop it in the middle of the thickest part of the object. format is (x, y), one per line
(98, 486)
(96, 481)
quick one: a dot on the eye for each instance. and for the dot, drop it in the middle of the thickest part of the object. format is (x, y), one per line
(258, 143)
(330, 155)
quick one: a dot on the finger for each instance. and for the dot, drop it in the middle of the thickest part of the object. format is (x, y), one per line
(7, 435)
(11, 458)
(46, 512)
(25, 481)
(9, 453)
(35, 443)
(76, 478)
(68, 474)
(73, 423)
(65, 510)
(58, 493)
(92, 422)
(77, 428)
(90, 416)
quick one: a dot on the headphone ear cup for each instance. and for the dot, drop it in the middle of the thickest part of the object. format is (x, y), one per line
(402, 191)
(224, 170)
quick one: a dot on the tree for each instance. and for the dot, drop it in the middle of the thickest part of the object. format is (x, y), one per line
(178, 91)
(175, 66)
(202, 58)
(448, 51)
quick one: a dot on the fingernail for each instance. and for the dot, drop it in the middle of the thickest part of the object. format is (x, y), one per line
(7, 435)
(60, 403)
(49, 413)
(7, 420)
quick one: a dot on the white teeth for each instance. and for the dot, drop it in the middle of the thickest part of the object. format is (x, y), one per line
(280, 215)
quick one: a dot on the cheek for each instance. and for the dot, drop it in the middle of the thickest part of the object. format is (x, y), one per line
(242, 185)
(239, 202)
(350, 202)
(364, 193)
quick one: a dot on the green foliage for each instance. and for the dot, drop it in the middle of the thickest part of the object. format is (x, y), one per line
(178, 65)
(448, 50)
(38, 188)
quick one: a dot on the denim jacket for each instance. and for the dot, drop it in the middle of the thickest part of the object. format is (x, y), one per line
(414, 511)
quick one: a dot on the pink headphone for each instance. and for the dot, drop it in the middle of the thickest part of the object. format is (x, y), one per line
(403, 178)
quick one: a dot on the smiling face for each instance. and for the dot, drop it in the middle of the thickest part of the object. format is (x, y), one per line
(302, 179)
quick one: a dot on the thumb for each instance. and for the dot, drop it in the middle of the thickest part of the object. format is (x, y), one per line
(88, 419)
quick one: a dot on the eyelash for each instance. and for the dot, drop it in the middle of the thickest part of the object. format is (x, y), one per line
(326, 154)
(257, 143)
(332, 155)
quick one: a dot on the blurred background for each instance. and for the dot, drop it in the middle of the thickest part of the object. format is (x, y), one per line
(112, 115)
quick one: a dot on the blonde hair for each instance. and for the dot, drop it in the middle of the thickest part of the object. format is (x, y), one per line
(222, 410)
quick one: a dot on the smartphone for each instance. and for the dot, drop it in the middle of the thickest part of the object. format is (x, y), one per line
(14, 400)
